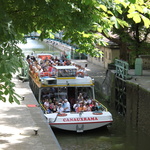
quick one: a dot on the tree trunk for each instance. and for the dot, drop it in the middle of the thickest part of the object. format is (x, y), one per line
(123, 51)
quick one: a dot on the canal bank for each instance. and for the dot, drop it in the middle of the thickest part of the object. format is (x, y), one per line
(130, 98)
(24, 127)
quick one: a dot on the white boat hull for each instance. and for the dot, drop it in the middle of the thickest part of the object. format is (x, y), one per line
(79, 122)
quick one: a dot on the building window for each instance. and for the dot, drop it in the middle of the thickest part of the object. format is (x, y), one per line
(102, 56)
(106, 54)
(109, 55)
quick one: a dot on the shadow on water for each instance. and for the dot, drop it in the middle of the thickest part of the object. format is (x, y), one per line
(97, 139)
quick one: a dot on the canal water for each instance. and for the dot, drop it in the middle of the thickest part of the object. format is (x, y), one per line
(116, 137)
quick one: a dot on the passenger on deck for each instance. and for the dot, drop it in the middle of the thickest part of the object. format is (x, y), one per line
(51, 106)
(55, 108)
(50, 68)
(46, 59)
(60, 101)
(67, 106)
(89, 100)
(80, 97)
(82, 107)
(47, 110)
(99, 106)
(46, 103)
(60, 109)
(94, 107)
(76, 105)
(88, 108)
(63, 103)
(46, 106)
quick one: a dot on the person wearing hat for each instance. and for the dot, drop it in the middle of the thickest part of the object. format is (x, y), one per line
(66, 106)
(60, 109)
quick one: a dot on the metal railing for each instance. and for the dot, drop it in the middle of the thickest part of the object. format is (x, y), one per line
(122, 68)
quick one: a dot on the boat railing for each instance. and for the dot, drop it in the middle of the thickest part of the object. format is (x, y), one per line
(42, 107)
(104, 107)
(37, 74)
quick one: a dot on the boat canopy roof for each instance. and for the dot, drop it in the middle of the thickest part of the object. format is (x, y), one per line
(44, 56)
(65, 67)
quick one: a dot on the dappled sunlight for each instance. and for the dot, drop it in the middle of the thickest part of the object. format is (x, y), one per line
(9, 116)
(11, 136)
(15, 127)
(22, 91)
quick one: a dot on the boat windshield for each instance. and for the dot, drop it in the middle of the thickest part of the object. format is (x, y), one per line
(70, 93)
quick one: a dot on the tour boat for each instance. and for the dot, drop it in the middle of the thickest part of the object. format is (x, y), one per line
(66, 82)
(79, 122)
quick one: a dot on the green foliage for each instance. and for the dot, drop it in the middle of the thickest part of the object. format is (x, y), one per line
(80, 20)
(10, 60)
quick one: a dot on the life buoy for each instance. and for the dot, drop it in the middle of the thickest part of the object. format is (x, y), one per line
(98, 113)
(61, 115)
(80, 74)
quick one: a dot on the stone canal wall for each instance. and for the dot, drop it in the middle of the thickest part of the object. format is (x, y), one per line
(138, 107)
(132, 102)
(144, 110)
(137, 102)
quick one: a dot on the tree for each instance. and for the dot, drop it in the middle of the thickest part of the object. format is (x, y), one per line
(130, 28)
(134, 36)
(24, 16)
(74, 17)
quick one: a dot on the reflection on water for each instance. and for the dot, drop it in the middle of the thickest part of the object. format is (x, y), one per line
(38, 46)
(116, 137)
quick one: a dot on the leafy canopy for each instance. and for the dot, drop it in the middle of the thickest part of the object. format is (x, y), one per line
(75, 17)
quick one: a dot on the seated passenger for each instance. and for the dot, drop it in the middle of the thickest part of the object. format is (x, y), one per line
(80, 97)
(76, 105)
(46, 106)
(94, 107)
(100, 107)
(54, 108)
(66, 106)
(88, 108)
(46, 103)
(60, 109)
(47, 110)
(82, 107)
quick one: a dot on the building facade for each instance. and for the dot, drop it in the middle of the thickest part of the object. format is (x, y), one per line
(109, 54)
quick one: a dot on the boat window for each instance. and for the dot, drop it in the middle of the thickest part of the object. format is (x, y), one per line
(86, 91)
(61, 93)
(48, 92)
(66, 72)
(54, 92)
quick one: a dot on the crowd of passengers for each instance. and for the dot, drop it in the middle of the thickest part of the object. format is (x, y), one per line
(42, 67)
(64, 106)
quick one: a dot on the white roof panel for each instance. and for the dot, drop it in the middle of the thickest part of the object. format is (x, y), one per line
(65, 67)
